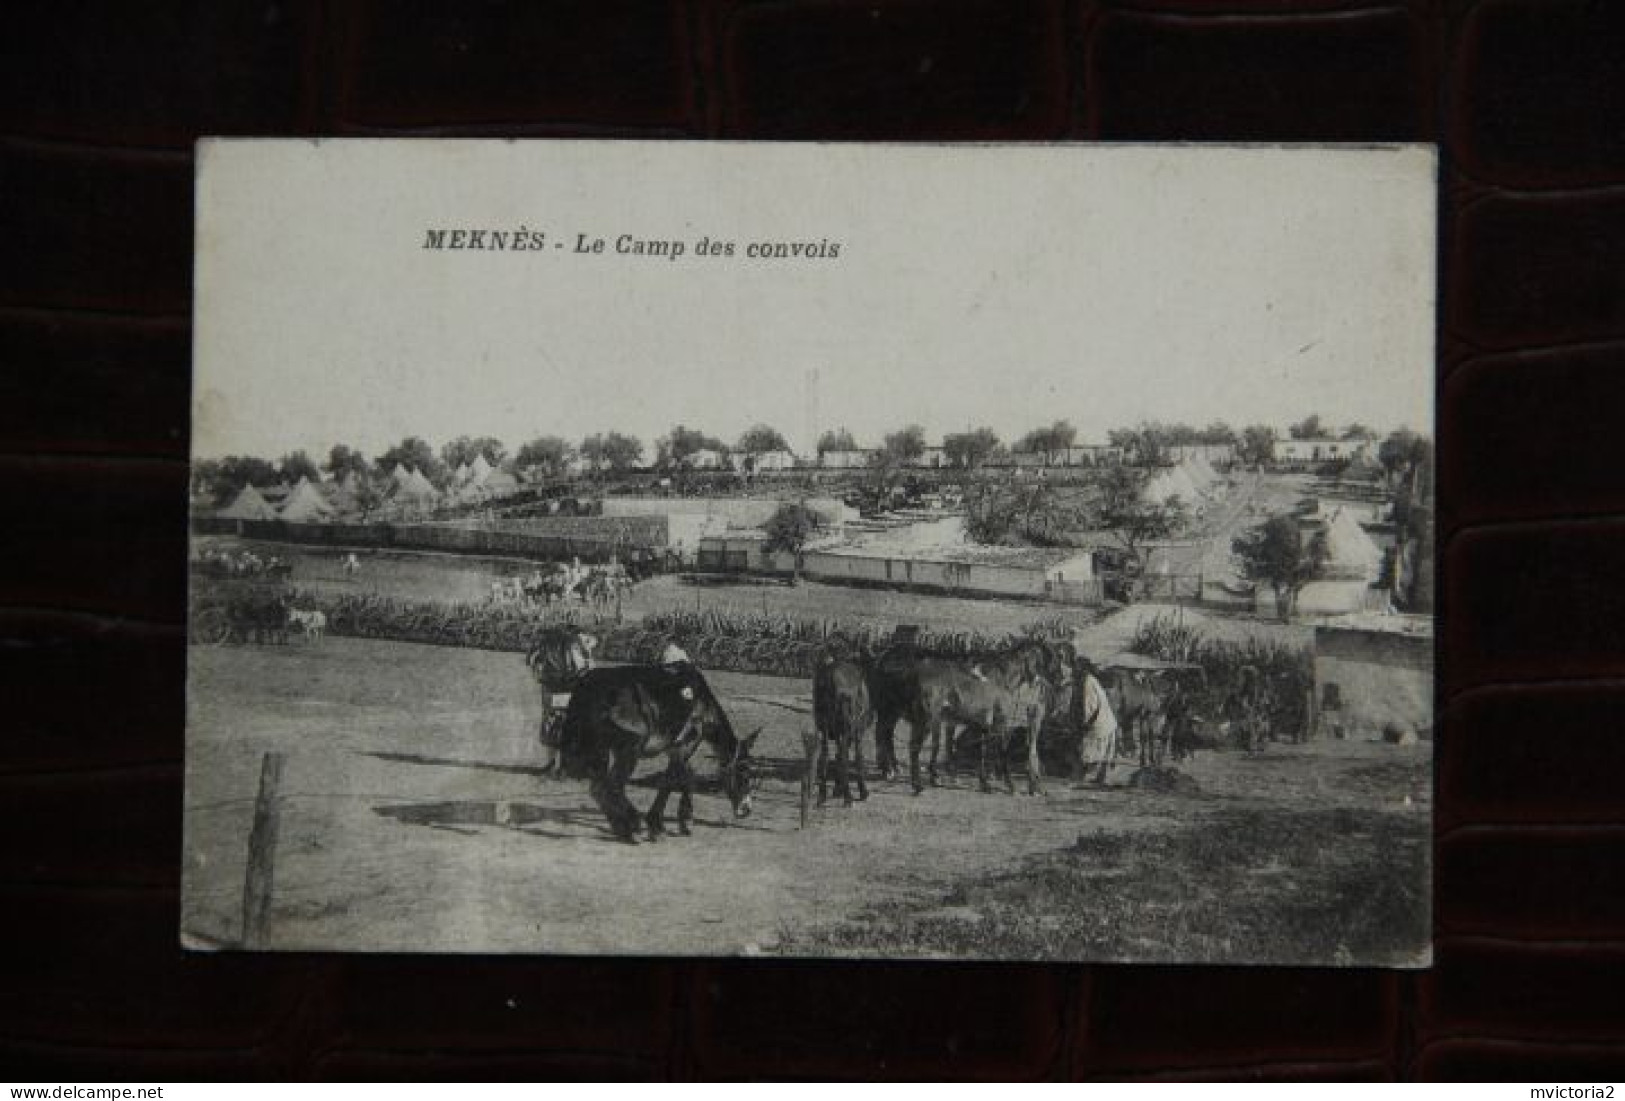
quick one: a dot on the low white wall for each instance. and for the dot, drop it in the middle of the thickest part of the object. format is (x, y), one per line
(950, 576)
(738, 512)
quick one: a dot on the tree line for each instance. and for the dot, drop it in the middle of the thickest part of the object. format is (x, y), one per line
(550, 456)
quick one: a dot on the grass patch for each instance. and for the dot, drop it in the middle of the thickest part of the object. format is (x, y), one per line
(1336, 886)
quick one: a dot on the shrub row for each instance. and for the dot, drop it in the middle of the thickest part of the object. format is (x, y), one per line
(491, 627)
(740, 642)
(1287, 670)
(759, 627)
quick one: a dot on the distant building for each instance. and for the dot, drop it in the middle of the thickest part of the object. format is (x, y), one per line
(848, 459)
(705, 459)
(1374, 677)
(1319, 450)
(932, 458)
(755, 462)
(1092, 454)
(1218, 453)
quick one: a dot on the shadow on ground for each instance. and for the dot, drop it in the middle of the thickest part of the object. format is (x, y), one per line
(466, 816)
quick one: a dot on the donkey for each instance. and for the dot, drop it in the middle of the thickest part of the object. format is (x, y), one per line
(842, 714)
(994, 695)
(895, 689)
(620, 717)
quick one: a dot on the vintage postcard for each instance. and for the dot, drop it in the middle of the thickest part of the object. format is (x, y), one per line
(1018, 552)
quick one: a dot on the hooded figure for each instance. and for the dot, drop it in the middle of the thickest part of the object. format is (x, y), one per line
(1097, 723)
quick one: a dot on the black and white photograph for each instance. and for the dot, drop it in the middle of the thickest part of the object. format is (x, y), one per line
(813, 550)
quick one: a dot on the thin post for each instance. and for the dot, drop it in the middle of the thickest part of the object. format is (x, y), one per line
(257, 880)
(810, 747)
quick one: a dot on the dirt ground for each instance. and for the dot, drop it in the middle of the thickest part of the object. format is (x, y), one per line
(413, 818)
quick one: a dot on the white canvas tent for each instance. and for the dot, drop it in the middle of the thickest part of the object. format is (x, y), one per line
(306, 503)
(1353, 562)
(1201, 472)
(1172, 481)
(341, 492)
(498, 483)
(419, 489)
(248, 505)
(1351, 553)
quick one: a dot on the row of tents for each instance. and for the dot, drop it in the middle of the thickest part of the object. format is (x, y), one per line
(408, 491)
(303, 503)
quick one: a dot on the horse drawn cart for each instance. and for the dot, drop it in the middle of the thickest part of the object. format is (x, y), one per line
(226, 610)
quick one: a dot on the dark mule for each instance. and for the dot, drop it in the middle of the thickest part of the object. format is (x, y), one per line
(1248, 709)
(1180, 720)
(842, 714)
(1138, 704)
(994, 709)
(620, 717)
(993, 694)
(894, 686)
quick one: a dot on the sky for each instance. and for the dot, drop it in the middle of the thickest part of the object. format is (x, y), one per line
(1009, 286)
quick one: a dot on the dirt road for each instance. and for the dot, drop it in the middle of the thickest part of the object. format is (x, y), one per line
(414, 819)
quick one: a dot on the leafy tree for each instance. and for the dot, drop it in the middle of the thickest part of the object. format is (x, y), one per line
(789, 528)
(1147, 443)
(226, 477)
(836, 439)
(622, 451)
(1134, 522)
(1402, 452)
(592, 451)
(1218, 432)
(1050, 442)
(762, 437)
(367, 493)
(970, 449)
(897, 450)
(1028, 514)
(1257, 446)
(682, 441)
(412, 451)
(465, 449)
(204, 474)
(1276, 553)
(612, 451)
(1309, 428)
(296, 465)
(904, 445)
(549, 453)
(1358, 431)
(990, 514)
(343, 459)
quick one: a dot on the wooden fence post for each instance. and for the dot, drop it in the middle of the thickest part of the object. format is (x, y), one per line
(257, 880)
(809, 776)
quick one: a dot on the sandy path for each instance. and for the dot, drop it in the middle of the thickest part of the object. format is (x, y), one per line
(413, 817)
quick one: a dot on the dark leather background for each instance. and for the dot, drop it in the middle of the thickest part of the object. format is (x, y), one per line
(99, 104)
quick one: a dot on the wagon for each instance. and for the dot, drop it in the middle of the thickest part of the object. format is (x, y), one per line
(247, 610)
